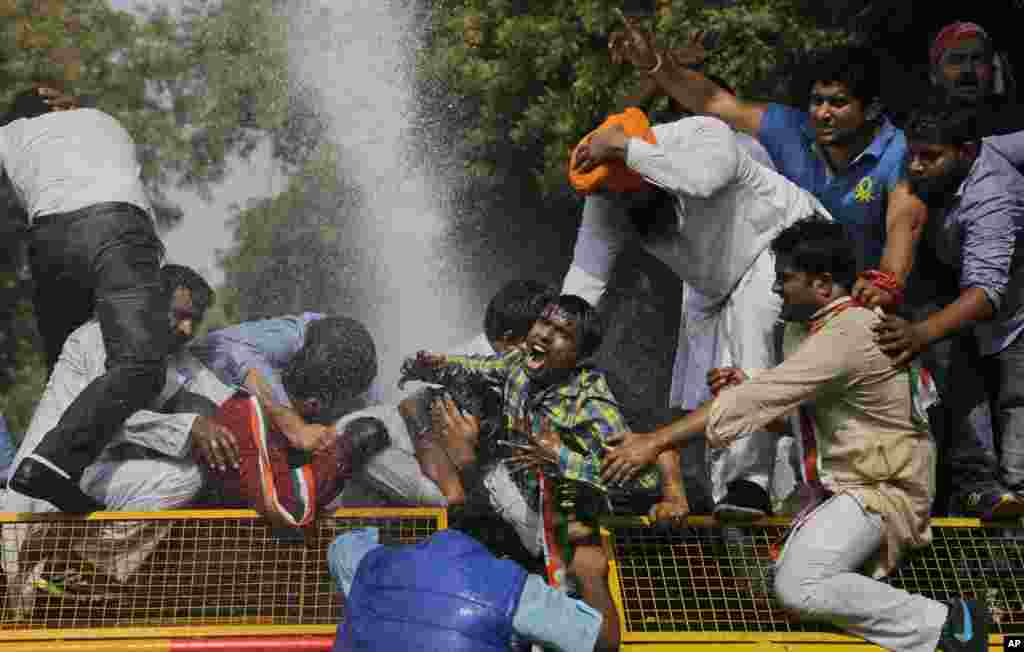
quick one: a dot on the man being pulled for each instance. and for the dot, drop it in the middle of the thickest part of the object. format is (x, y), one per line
(558, 414)
(287, 480)
(875, 477)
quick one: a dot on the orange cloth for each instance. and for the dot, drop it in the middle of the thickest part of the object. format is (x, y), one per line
(614, 175)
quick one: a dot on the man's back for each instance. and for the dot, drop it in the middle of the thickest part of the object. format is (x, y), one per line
(66, 160)
(728, 206)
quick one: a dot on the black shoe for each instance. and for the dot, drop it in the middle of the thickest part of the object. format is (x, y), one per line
(37, 480)
(745, 501)
(369, 437)
(966, 628)
(992, 505)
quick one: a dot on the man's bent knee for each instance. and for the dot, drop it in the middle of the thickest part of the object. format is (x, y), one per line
(798, 591)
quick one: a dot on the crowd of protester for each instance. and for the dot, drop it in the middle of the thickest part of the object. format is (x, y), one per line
(888, 253)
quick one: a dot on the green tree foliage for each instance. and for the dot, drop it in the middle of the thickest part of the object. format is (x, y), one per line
(529, 79)
(194, 88)
(293, 252)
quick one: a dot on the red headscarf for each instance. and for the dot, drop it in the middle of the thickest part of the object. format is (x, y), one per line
(951, 35)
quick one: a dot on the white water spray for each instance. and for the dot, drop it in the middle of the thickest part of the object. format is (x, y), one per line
(357, 55)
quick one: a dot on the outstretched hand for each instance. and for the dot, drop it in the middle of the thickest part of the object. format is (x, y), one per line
(632, 453)
(418, 367)
(539, 453)
(214, 444)
(900, 339)
(451, 424)
(721, 377)
(57, 100)
(633, 44)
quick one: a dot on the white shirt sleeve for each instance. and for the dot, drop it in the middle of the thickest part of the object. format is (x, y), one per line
(694, 157)
(602, 235)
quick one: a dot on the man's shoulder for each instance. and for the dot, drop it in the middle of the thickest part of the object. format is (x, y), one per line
(87, 335)
(994, 181)
(783, 122)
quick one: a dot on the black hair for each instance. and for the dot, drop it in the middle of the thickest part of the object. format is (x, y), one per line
(817, 246)
(856, 67)
(26, 104)
(942, 121)
(337, 362)
(515, 307)
(173, 277)
(589, 325)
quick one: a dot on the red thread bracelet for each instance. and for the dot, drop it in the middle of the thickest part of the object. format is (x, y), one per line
(884, 281)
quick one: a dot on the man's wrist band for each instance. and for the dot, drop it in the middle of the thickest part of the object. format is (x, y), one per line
(884, 281)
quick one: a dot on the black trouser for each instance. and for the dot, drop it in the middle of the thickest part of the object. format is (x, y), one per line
(111, 252)
(962, 422)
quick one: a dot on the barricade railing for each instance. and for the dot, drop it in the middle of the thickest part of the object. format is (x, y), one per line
(225, 580)
(706, 583)
(190, 573)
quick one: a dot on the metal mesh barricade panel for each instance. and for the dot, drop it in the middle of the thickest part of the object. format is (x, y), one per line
(706, 578)
(180, 568)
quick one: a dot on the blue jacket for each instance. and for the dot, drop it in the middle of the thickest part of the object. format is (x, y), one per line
(445, 594)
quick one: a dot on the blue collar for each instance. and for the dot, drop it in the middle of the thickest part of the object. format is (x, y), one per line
(886, 132)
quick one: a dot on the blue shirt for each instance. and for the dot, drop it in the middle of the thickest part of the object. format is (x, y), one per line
(544, 614)
(858, 197)
(266, 345)
(7, 450)
(979, 235)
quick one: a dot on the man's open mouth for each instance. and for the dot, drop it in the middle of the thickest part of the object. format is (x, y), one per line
(535, 357)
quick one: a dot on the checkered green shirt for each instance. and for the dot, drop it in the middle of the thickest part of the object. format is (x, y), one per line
(582, 410)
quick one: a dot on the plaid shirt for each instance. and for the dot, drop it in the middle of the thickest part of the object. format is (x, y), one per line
(583, 411)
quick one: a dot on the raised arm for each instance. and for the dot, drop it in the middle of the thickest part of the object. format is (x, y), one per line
(689, 88)
(905, 219)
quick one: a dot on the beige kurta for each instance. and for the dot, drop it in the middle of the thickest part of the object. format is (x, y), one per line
(868, 443)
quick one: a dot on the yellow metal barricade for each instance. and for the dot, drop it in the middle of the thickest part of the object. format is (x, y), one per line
(169, 581)
(192, 574)
(705, 584)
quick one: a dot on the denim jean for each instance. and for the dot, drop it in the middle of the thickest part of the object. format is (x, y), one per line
(111, 252)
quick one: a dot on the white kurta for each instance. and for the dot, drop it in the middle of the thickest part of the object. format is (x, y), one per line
(728, 208)
(146, 467)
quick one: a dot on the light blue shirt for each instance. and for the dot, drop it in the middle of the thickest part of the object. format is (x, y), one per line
(857, 198)
(981, 236)
(266, 345)
(7, 449)
(545, 615)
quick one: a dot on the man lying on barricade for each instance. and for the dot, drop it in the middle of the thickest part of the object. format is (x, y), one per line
(558, 413)
(299, 375)
(154, 462)
(871, 489)
(148, 464)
